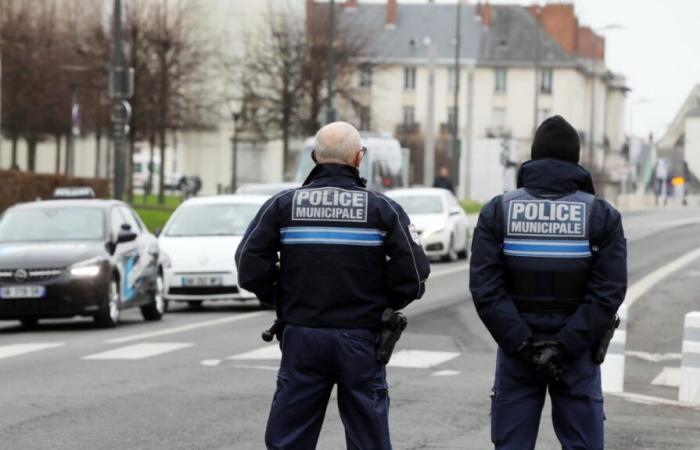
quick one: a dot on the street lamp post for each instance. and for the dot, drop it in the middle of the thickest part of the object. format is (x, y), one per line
(330, 63)
(429, 142)
(454, 147)
(121, 88)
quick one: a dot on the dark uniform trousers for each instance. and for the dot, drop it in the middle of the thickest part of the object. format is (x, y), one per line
(313, 361)
(518, 397)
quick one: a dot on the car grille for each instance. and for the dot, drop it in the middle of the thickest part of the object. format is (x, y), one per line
(40, 275)
(203, 290)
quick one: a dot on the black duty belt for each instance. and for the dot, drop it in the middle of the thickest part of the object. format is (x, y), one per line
(536, 284)
(547, 306)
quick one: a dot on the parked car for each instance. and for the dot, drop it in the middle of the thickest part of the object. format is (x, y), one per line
(198, 244)
(382, 167)
(87, 257)
(440, 221)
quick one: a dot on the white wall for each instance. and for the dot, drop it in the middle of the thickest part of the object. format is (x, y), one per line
(692, 144)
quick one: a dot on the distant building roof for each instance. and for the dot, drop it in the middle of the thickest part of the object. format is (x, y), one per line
(414, 22)
(514, 36)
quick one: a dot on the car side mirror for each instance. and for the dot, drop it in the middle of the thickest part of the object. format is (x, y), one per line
(125, 236)
(455, 210)
(126, 227)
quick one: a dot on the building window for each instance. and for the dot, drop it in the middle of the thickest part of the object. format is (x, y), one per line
(500, 81)
(366, 75)
(409, 78)
(409, 117)
(364, 118)
(451, 78)
(451, 119)
(546, 81)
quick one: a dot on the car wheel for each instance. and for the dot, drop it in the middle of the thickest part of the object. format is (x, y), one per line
(451, 255)
(108, 317)
(195, 305)
(156, 308)
(29, 322)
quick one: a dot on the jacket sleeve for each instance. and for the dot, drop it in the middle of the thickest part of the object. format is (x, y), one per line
(487, 282)
(257, 254)
(606, 286)
(407, 268)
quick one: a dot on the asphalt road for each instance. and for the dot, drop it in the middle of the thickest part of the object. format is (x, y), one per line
(205, 379)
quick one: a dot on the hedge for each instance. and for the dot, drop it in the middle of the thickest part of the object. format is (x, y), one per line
(17, 187)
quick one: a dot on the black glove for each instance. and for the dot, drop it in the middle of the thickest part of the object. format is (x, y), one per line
(548, 360)
(526, 352)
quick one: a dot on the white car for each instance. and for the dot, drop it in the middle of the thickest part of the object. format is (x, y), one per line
(268, 189)
(197, 248)
(440, 221)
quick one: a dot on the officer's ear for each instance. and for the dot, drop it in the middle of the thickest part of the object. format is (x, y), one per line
(313, 156)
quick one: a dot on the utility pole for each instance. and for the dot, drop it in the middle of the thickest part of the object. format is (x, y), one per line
(330, 63)
(591, 140)
(466, 147)
(535, 121)
(454, 148)
(429, 142)
(120, 89)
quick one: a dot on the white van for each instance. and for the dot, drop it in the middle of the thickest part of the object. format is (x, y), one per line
(382, 167)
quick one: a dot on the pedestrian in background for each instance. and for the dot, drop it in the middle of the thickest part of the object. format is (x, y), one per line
(548, 273)
(345, 255)
(443, 180)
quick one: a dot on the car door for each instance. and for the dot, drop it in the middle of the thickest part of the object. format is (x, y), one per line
(142, 261)
(125, 256)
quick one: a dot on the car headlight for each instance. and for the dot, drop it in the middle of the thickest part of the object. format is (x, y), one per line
(434, 230)
(88, 268)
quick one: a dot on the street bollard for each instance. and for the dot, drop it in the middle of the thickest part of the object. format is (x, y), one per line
(689, 392)
(613, 368)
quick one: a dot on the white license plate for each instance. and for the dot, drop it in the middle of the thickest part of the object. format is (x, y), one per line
(22, 291)
(202, 281)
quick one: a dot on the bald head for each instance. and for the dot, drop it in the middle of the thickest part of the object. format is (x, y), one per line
(337, 142)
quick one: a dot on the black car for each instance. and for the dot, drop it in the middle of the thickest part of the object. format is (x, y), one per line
(64, 258)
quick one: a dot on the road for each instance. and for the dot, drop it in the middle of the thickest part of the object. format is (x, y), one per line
(205, 379)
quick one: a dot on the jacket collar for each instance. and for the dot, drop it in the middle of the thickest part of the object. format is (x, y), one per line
(554, 176)
(335, 170)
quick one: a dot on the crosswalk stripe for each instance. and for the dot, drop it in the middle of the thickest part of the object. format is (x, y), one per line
(420, 359)
(140, 351)
(7, 351)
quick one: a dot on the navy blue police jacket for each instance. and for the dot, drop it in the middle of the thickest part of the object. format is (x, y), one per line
(604, 277)
(332, 254)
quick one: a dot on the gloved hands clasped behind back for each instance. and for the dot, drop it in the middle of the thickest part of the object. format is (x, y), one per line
(547, 357)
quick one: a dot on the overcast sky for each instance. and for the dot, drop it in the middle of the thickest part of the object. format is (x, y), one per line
(658, 50)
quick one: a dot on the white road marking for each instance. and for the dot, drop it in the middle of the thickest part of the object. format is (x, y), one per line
(420, 359)
(140, 351)
(445, 373)
(449, 271)
(642, 286)
(647, 399)
(7, 351)
(211, 362)
(247, 366)
(270, 352)
(654, 357)
(669, 376)
(183, 328)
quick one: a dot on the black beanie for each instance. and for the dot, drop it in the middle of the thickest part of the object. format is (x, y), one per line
(556, 138)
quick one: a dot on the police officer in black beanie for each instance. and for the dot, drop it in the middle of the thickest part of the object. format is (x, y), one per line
(547, 275)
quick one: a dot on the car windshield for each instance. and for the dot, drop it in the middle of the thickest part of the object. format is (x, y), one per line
(52, 224)
(222, 219)
(420, 204)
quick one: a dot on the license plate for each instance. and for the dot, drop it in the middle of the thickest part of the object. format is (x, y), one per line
(22, 291)
(201, 281)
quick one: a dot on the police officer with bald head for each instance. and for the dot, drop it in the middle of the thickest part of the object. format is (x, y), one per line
(547, 275)
(346, 254)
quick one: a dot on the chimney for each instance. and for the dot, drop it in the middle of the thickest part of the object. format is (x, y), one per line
(391, 13)
(351, 4)
(560, 22)
(483, 10)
